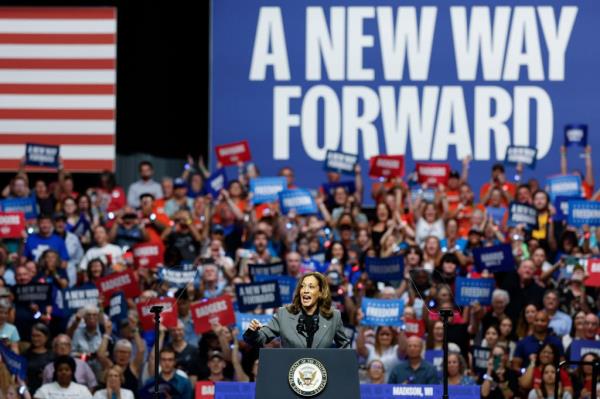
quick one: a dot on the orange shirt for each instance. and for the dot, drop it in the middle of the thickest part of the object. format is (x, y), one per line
(509, 187)
(453, 197)
(464, 218)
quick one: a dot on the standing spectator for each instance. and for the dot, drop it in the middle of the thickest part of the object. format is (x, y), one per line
(499, 382)
(182, 388)
(522, 289)
(44, 239)
(37, 355)
(144, 185)
(9, 335)
(180, 200)
(109, 197)
(110, 254)
(560, 322)
(183, 237)
(531, 344)
(186, 354)
(82, 372)
(74, 248)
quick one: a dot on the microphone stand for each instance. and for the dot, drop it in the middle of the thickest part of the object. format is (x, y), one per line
(156, 309)
(445, 314)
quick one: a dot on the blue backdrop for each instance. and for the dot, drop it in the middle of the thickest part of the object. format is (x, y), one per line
(296, 78)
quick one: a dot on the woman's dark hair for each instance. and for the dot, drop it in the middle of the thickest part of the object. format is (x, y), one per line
(579, 371)
(43, 263)
(64, 359)
(417, 250)
(324, 301)
(555, 355)
(329, 253)
(378, 344)
(109, 178)
(522, 326)
(547, 199)
(232, 182)
(545, 393)
(89, 268)
(570, 236)
(42, 328)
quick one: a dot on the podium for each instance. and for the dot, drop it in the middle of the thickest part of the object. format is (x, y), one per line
(307, 373)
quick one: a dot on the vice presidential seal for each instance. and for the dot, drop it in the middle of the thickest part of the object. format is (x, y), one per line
(307, 377)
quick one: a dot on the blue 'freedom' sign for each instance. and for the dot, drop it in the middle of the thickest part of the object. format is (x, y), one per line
(469, 290)
(497, 258)
(582, 212)
(266, 189)
(385, 269)
(382, 312)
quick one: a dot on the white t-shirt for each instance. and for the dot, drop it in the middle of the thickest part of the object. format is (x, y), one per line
(111, 251)
(55, 391)
(125, 394)
(389, 358)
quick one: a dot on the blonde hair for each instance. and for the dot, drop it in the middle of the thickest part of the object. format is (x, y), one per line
(117, 369)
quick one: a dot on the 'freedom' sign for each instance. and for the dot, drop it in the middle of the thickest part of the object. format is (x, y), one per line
(298, 200)
(582, 212)
(231, 154)
(215, 310)
(521, 154)
(263, 294)
(470, 290)
(340, 162)
(581, 347)
(576, 135)
(433, 173)
(522, 214)
(217, 182)
(382, 312)
(565, 185)
(497, 258)
(26, 205)
(266, 189)
(561, 204)
(385, 269)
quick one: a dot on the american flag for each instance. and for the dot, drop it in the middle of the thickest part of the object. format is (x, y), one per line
(57, 84)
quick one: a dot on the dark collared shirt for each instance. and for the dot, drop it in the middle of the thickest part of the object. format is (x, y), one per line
(403, 373)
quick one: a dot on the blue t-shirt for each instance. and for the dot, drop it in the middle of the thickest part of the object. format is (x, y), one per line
(531, 344)
(36, 245)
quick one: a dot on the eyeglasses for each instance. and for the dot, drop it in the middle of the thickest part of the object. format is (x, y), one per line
(376, 366)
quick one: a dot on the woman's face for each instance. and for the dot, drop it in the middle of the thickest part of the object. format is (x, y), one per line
(96, 269)
(506, 327)
(540, 202)
(496, 198)
(64, 375)
(83, 203)
(196, 182)
(432, 246)
(38, 339)
(337, 251)
(579, 321)
(451, 228)
(549, 375)
(385, 337)
(530, 312)
(538, 257)
(382, 212)
(51, 259)
(546, 355)
(491, 336)
(412, 258)
(443, 296)
(448, 267)
(340, 196)
(113, 379)
(376, 370)
(587, 370)
(309, 292)
(453, 365)
(69, 206)
(430, 213)
(438, 332)
(235, 190)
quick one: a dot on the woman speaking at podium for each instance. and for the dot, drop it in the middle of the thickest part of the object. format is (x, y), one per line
(308, 322)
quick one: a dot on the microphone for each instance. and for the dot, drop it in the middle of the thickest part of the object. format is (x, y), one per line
(300, 326)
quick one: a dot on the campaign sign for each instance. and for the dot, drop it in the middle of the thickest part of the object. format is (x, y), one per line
(427, 195)
(231, 154)
(235, 390)
(215, 310)
(299, 200)
(385, 269)
(582, 212)
(470, 290)
(386, 166)
(12, 224)
(16, 365)
(519, 213)
(178, 276)
(561, 204)
(565, 185)
(124, 281)
(77, 298)
(480, 358)
(40, 294)
(580, 347)
(148, 255)
(168, 315)
(271, 269)
(242, 321)
(287, 285)
(26, 205)
(382, 312)
(216, 182)
(340, 162)
(117, 307)
(204, 390)
(262, 294)
(266, 189)
(576, 135)
(436, 358)
(433, 173)
(521, 154)
(42, 155)
(414, 327)
(414, 391)
(496, 213)
(593, 273)
(497, 258)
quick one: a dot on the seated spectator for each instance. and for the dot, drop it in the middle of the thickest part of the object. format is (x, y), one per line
(144, 185)
(499, 381)
(114, 380)
(9, 335)
(64, 384)
(44, 239)
(376, 372)
(457, 367)
(414, 370)
(547, 387)
(180, 386)
(531, 344)
(582, 378)
(61, 347)
(532, 378)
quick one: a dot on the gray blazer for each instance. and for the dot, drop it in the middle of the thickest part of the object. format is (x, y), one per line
(283, 324)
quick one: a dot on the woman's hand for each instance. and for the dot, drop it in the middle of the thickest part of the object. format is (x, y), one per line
(255, 325)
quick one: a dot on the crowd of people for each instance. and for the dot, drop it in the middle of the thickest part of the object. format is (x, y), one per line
(82, 234)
